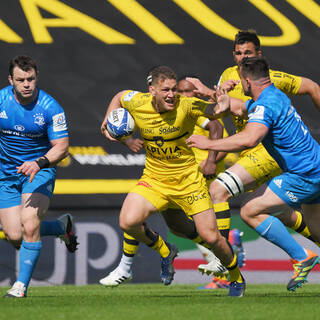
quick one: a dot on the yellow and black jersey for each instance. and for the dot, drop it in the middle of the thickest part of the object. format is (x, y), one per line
(287, 83)
(165, 134)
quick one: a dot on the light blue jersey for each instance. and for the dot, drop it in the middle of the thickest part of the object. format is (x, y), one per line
(290, 143)
(26, 130)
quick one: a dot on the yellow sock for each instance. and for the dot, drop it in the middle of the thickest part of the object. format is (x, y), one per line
(161, 247)
(130, 245)
(234, 271)
(223, 217)
(2, 235)
(199, 240)
(301, 227)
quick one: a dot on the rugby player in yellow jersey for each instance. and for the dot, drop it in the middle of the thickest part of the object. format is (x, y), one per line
(171, 176)
(175, 218)
(255, 166)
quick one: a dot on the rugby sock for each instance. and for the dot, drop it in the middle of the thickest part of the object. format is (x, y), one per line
(301, 227)
(234, 271)
(158, 243)
(125, 263)
(274, 231)
(199, 241)
(51, 228)
(2, 235)
(29, 254)
(223, 217)
(130, 245)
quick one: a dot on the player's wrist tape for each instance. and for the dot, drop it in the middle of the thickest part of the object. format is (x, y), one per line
(43, 162)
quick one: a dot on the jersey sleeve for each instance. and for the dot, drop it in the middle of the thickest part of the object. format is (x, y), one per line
(197, 108)
(260, 113)
(287, 83)
(132, 99)
(4, 93)
(57, 124)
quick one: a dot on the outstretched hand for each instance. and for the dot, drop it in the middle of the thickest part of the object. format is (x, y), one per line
(223, 100)
(201, 89)
(198, 141)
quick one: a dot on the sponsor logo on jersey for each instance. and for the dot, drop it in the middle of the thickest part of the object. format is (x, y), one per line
(129, 95)
(147, 130)
(143, 183)
(196, 197)
(168, 130)
(278, 183)
(19, 127)
(257, 114)
(3, 114)
(163, 151)
(39, 119)
(291, 196)
(59, 122)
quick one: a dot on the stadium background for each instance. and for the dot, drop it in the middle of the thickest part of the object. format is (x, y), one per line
(89, 50)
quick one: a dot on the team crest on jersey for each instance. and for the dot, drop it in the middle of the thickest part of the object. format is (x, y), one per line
(130, 95)
(19, 127)
(59, 122)
(39, 119)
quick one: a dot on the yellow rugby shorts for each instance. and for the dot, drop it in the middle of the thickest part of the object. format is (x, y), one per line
(258, 162)
(188, 192)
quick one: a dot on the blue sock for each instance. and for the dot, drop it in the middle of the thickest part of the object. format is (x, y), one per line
(29, 254)
(51, 228)
(273, 230)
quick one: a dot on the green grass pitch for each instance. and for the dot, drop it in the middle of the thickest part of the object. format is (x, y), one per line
(155, 301)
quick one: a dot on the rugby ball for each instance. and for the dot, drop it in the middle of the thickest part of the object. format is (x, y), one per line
(120, 123)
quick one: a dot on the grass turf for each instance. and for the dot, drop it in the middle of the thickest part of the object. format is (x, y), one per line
(155, 301)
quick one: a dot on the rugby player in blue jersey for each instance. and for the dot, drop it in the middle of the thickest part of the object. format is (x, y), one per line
(33, 139)
(274, 122)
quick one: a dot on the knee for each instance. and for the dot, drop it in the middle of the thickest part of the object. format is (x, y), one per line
(31, 230)
(218, 192)
(247, 212)
(212, 238)
(126, 223)
(14, 236)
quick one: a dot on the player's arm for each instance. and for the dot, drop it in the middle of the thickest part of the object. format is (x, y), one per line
(56, 153)
(312, 89)
(251, 136)
(208, 166)
(227, 104)
(115, 103)
(134, 144)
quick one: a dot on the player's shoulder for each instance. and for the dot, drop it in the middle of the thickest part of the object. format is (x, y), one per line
(46, 101)
(273, 98)
(284, 81)
(5, 93)
(135, 96)
(230, 72)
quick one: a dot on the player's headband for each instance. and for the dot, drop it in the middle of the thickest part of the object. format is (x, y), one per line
(149, 80)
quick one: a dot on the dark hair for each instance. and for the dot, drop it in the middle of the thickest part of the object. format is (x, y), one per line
(188, 75)
(247, 36)
(254, 67)
(158, 73)
(25, 63)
